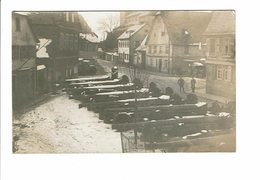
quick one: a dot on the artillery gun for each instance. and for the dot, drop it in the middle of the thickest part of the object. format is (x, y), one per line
(113, 96)
(127, 115)
(147, 101)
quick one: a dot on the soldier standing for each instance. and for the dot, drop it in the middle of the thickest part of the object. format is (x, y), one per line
(181, 84)
(193, 82)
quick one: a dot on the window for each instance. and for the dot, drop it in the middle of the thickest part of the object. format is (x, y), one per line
(227, 73)
(71, 39)
(17, 24)
(219, 73)
(67, 16)
(160, 49)
(167, 49)
(154, 49)
(75, 42)
(151, 61)
(165, 64)
(212, 47)
(232, 48)
(224, 73)
(66, 41)
(61, 41)
(226, 47)
(72, 18)
(154, 62)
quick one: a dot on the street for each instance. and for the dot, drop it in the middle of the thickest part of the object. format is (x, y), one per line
(58, 126)
(162, 80)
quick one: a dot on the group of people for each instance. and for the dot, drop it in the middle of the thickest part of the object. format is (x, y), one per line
(181, 83)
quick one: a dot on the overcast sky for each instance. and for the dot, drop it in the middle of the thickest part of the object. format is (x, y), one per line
(93, 19)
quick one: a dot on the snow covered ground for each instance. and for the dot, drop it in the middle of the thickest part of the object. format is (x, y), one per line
(58, 126)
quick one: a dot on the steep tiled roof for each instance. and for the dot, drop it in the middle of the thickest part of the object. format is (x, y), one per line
(181, 23)
(222, 22)
(131, 31)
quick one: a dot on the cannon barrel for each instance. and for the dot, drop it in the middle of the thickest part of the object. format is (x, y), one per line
(116, 95)
(94, 83)
(202, 121)
(169, 107)
(162, 100)
(77, 92)
(156, 112)
(85, 79)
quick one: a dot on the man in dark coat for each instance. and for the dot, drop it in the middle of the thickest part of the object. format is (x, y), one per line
(181, 84)
(193, 82)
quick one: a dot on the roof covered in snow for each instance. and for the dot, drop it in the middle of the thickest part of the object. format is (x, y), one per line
(142, 46)
(131, 31)
(91, 37)
(42, 51)
(141, 13)
(22, 13)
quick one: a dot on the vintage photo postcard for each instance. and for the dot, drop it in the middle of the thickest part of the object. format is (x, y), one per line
(123, 81)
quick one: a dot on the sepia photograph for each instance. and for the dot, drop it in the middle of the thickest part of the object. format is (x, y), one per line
(150, 81)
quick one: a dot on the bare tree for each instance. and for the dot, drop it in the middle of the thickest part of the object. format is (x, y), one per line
(108, 24)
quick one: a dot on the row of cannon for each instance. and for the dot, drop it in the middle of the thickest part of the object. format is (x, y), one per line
(118, 100)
